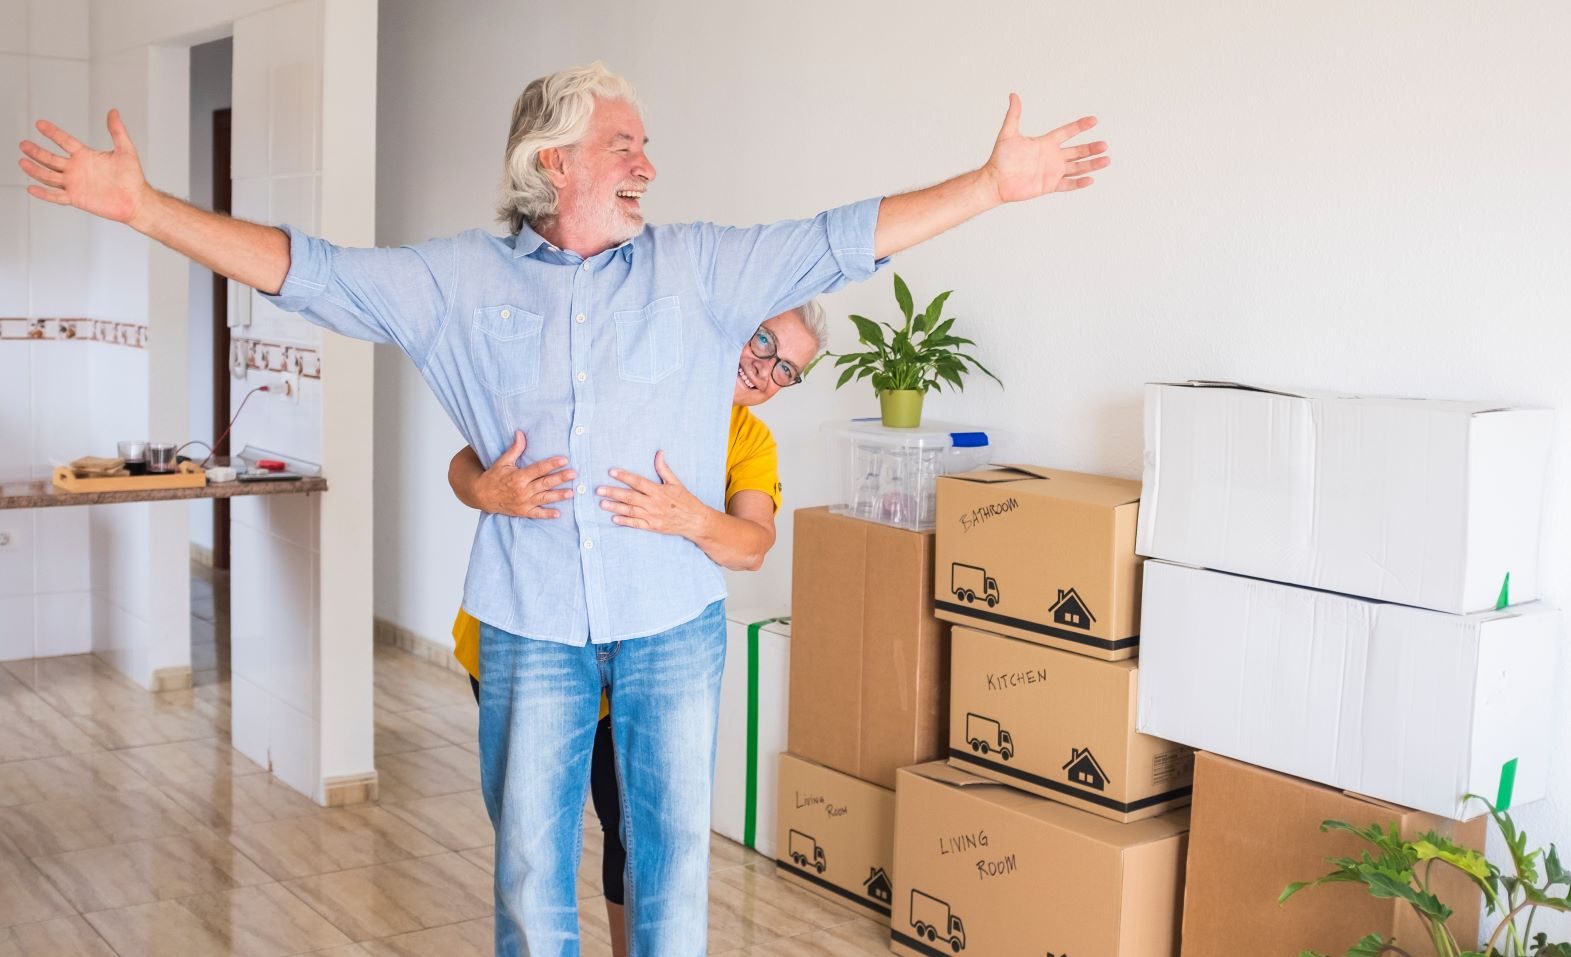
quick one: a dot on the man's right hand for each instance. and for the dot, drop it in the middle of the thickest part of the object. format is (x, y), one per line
(506, 489)
(109, 184)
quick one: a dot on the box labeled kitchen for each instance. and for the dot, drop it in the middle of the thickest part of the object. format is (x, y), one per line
(1253, 832)
(1059, 725)
(869, 662)
(1407, 705)
(836, 836)
(983, 868)
(752, 728)
(1415, 501)
(1041, 554)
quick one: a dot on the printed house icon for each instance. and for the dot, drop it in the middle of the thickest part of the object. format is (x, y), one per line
(877, 885)
(1083, 769)
(1070, 610)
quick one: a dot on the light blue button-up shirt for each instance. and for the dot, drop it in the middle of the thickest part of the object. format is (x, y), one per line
(604, 361)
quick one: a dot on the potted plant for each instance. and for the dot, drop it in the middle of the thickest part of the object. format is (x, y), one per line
(1400, 869)
(920, 355)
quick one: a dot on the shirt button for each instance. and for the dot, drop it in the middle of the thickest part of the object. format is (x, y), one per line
(579, 318)
(588, 544)
(586, 267)
(507, 313)
(582, 489)
(578, 430)
(582, 376)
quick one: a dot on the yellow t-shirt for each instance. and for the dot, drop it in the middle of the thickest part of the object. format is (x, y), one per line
(752, 464)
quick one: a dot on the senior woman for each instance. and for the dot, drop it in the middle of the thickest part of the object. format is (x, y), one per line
(737, 538)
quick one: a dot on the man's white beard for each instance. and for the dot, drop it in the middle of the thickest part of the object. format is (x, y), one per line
(613, 222)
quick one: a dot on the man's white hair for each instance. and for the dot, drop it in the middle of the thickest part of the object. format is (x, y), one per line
(553, 111)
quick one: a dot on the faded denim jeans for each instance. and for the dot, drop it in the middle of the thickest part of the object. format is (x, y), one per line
(539, 704)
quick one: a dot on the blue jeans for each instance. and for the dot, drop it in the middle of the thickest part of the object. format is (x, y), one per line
(539, 704)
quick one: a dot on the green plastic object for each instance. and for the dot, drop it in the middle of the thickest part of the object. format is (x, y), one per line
(1505, 593)
(1507, 785)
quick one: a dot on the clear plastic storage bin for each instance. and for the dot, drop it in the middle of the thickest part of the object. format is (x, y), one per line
(891, 475)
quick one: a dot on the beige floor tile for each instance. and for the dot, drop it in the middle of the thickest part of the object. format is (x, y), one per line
(64, 937)
(724, 853)
(189, 763)
(80, 684)
(455, 724)
(485, 859)
(171, 716)
(458, 821)
(420, 774)
(119, 875)
(404, 683)
(752, 906)
(265, 921)
(331, 841)
(396, 733)
(66, 776)
(351, 950)
(94, 820)
(216, 784)
(398, 898)
(25, 894)
(859, 938)
(33, 729)
(471, 938)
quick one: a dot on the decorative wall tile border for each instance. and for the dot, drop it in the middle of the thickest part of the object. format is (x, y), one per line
(131, 334)
(281, 357)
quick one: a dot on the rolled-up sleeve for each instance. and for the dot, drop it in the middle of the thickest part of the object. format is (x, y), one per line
(749, 274)
(399, 295)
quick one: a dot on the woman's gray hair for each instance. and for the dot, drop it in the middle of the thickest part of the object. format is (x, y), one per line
(553, 111)
(813, 318)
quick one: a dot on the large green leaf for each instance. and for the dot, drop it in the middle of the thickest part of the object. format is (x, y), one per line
(933, 311)
(1372, 945)
(868, 331)
(903, 297)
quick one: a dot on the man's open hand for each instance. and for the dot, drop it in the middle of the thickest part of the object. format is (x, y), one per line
(1025, 167)
(108, 184)
(506, 489)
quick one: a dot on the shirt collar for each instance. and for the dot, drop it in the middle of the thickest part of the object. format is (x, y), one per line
(528, 242)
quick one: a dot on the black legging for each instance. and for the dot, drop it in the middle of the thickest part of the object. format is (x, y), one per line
(608, 806)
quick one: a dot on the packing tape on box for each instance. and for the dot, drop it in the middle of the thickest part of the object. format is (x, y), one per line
(750, 811)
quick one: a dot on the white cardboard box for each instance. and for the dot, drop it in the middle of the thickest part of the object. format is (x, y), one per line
(1418, 501)
(1406, 705)
(728, 810)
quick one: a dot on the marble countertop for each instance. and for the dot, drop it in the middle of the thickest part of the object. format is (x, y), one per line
(41, 493)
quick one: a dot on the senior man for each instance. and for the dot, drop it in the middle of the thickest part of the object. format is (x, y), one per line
(603, 340)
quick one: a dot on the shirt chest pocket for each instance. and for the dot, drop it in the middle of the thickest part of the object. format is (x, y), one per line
(649, 341)
(506, 343)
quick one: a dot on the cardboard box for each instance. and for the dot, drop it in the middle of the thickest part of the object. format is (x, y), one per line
(986, 869)
(836, 836)
(869, 662)
(1059, 725)
(1415, 501)
(1253, 832)
(1403, 704)
(1041, 554)
(752, 729)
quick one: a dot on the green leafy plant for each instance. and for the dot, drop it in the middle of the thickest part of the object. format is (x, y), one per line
(1399, 869)
(920, 355)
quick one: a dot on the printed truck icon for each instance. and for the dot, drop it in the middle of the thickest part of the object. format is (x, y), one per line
(968, 583)
(984, 735)
(930, 918)
(805, 852)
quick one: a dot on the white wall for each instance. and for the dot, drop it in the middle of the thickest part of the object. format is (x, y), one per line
(211, 64)
(1371, 198)
(45, 574)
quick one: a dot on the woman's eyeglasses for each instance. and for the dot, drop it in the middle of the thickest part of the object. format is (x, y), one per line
(764, 345)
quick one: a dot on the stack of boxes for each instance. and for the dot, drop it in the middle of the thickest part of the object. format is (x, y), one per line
(1053, 826)
(1339, 611)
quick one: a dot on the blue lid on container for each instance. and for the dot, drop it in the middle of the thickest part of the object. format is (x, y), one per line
(969, 440)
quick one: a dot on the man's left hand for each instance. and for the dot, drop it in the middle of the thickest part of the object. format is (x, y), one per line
(665, 506)
(1025, 167)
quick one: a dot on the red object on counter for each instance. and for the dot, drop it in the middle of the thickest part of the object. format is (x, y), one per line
(272, 465)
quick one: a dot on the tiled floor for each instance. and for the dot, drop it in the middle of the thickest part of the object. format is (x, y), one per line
(128, 826)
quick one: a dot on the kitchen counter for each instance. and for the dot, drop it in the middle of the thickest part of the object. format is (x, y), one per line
(41, 493)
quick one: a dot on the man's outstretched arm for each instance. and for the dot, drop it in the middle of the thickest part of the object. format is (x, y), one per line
(111, 184)
(1020, 167)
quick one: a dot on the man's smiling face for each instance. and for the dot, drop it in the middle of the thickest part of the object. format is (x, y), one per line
(604, 177)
